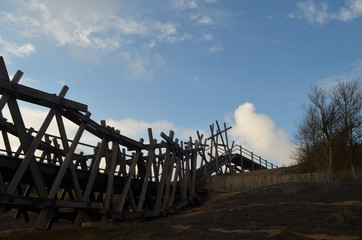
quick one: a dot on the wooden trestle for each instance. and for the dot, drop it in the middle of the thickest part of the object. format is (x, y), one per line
(118, 178)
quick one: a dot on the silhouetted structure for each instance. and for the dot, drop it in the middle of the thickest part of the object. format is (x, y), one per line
(118, 178)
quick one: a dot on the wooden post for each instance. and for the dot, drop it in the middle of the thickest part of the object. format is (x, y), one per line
(252, 161)
(110, 178)
(241, 159)
(260, 161)
(151, 158)
(163, 176)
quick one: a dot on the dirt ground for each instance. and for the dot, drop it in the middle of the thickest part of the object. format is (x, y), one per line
(285, 211)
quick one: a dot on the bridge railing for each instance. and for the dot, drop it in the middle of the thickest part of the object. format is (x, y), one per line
(239, 149)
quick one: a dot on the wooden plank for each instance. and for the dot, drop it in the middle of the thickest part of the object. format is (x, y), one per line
(6, 143)
(127, 185)
(5, 97)
(8, 200)
(163, 176)
(39, 97)
(174, 185)
(185, 178)
(151, 159)
(194, 160)
(110, 178)
(166, 193)
(3, 72)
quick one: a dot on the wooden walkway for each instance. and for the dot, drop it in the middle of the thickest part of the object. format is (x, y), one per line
(119, 178)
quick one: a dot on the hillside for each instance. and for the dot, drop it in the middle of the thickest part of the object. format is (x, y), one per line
(285, 211)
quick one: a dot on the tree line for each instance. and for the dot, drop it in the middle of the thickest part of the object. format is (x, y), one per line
(329, 135)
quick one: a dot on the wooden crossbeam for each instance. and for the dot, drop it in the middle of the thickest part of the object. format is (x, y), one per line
(38, 97)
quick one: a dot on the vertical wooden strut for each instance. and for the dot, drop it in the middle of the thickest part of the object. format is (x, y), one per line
(110, 179)
(160, 189)
(151, 158)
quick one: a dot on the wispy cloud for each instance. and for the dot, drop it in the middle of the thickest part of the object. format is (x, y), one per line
(184, 4)
(210, 1)
(85, 24)
(257, 132)
(354, 73)
(91, 30)
(205, 20)
(216, 47)
(319, 14)
(11, 48)
(314, 14)
(208, 37)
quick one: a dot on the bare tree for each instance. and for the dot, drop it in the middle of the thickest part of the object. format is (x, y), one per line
(332, 114)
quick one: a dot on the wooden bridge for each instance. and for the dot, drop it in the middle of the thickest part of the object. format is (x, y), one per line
(118, 178)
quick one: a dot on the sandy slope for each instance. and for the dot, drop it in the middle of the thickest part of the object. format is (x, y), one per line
(285, 211)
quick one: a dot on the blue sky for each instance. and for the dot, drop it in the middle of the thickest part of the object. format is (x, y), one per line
(182, 64)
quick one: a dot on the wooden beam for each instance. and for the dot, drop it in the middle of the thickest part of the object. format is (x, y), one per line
(151, 158)
(39, 97)
(161, 186)
(3, 72)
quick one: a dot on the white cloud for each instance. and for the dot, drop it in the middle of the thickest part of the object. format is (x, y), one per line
(205, 20)
(318, 14)
(105, 25)
(8, 48)
(184, 4)
(351, 11)
(139, 66)
(314, 14)
(257, 133)
(208, 37)
(151, 44)
(354, 73)
(290, 15)
(210, 1)
(216, 47)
